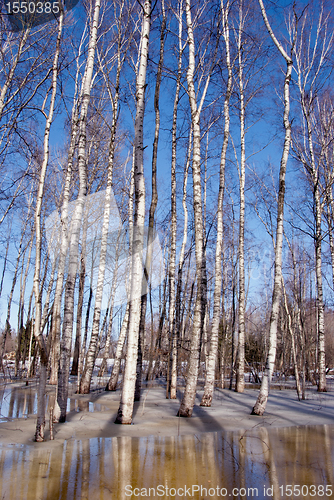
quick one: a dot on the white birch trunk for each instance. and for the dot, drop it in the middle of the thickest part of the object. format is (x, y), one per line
(188, 401)
(112, 384)
(66, 341)
(125, 410)
(56, 313)
(39, 434)
(212, 357)
(306, 60)
(9, 79)
(179, 321)
(261, 402)
(92, 350)
(293, 343)
(172, 255)
(240, 362)
(154, 202)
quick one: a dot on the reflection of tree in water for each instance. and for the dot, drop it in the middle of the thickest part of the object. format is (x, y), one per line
(21, 403)
(103, 467)
(83, 405)
(269, 456)
(124, 463)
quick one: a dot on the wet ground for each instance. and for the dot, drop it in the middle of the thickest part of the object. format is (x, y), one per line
(254, 464)
(221, 452)
(17, 401)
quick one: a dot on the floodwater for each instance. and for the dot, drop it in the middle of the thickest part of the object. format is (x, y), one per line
(18, 402)
(282, 463)
(234, 465)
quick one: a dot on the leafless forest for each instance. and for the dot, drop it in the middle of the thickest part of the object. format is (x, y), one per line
(166, 198)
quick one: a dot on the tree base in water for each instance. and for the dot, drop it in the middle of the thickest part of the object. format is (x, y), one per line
(39, 434)
(184, 413)
(206, 401)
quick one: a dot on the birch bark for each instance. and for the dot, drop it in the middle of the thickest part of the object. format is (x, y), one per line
(212, 357)
(125, 410)
(311, 61)
(66, 341)
(240, 361)
(92, 350)
(188, 401)
(39, 434)
(179, 312)
(154, 202)
(56, 313)
(262, 399)
(112, 384)
(172, 382)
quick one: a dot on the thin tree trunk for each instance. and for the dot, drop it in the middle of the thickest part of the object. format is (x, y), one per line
(66, 341)
(6, 256)
(240, 364)
(188, 401)
(172, 381)
(64, 235)
(261, 402)
(125, 410)
(179, 313)
(39, 434)
(112, 384)
(233, 317)
(212, 358)
(77, 345)
(92, 350)
(154, 202)
(7, 84)
(293, 344)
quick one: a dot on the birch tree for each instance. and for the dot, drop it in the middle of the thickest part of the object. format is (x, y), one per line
(212, 358)
(188, 401)
(311, 66)
(39, 434)
(66, 341)
(154, 201)
(125, 409)
(240, 376)
(261, 402)
(114, 99)
(172, 380)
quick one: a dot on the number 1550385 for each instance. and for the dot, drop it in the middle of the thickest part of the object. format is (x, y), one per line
(296, 490)
(33, 7)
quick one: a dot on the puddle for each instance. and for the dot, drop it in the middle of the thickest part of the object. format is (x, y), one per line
(239, 465)
(21, 402)
(17, 402)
